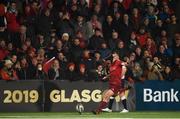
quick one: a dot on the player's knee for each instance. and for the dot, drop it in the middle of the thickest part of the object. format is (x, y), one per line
(123, 97)
(105, 99)
(122, 94)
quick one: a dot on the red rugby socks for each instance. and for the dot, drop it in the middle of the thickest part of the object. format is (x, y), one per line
(102, 106)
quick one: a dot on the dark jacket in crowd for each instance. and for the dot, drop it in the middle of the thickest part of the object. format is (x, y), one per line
(75, 53)
(53, 75)
(83, 76)
(71, 75)
(23, 74)
(43, 25)
(41, 75)
(64, 26)
(95, 42)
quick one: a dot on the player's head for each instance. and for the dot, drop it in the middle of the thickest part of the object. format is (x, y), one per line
(115, 55)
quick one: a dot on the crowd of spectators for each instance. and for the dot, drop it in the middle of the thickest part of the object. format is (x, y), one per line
(76, 38)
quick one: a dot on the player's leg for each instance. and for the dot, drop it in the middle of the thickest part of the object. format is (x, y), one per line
(124, 101)
(105, 100)
(122, 90)
(109, 108)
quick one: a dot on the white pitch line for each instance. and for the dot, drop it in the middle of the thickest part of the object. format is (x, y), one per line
(50, 117)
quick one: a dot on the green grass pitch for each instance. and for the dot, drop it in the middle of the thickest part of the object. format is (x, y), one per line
(73, 115)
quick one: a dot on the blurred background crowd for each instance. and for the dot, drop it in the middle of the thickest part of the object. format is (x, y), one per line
(73, 39)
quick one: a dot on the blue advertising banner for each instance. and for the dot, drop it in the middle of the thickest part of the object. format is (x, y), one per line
(158, 95)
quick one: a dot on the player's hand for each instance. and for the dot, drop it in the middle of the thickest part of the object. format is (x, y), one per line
(130, 80)
(124, 63)
(104, 78)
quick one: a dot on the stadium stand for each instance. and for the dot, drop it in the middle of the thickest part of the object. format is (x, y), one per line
(73, 39)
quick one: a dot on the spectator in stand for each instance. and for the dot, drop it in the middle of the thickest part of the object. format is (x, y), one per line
(29, 18)
(11, 16)
(82, 73)
(23, 72)
(165, 14)
(3, 50)
(20, 37)
(152, 2)
(108, 27)
(92, 25)
(146, 58)
(136, 18)
(40, 42)
(164, 55)
(55, 72)
(151, 15)
(176, 46)
(40, 74)
(10, 47)
(83, 6)
(133, 43)
(31, 53)
(73, 8)
(153, 72)
(41, 56)
(167, 45)
(52, 9)
(81, 25)
(125, 29)
(142, 36)
(140, 4)
(137, 72)
(28, 43)
(43, 30)
(105, 51)
(7, 72)
(83, 41)
(44, 25)
(173, 26)
(97, 59)
(146, 24)
(98, 11)
(71, 74)
(163, 36)
(64, 24)
(101, 73)
(116, 6)
(62, 60)
(13, 58)
(117, 20)
(66, 41)
(57, 48)
(121, 49)
(22, 51)
(167, 73)
(3, 22)
(51, 44)
(32, 68)
(176, 69)
(150, 46)
(112, 42)
(132, 59)
(75, 51)
(138, 52)
(87, 60)
(158, 29)
(96, 40)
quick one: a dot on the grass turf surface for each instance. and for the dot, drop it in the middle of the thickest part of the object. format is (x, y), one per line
(73, 115)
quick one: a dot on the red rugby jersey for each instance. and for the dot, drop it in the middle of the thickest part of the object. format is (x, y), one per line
(115, 73)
